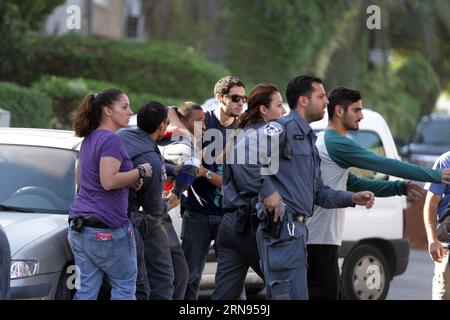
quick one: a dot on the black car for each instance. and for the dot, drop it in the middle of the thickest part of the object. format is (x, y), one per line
(430, 140)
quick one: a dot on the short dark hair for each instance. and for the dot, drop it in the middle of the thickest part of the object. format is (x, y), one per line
(224, 85)
(341, 96)
(300, 86)
(185, 109)
(150, 116)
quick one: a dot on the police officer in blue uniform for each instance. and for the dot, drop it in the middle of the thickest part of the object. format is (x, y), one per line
(290, 185)
(236, 237)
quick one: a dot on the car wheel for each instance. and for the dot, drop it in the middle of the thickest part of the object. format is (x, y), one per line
(62, 290)
(365, 274)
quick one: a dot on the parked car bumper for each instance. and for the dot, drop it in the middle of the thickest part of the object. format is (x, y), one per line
(35, 287)
(401, 249)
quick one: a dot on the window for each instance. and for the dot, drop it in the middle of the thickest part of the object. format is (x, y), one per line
(132, 25)
(38, 178)
(103, 3)
(433, 132)
(371, 141)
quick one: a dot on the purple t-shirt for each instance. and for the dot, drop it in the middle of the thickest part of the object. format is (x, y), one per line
(108, 206)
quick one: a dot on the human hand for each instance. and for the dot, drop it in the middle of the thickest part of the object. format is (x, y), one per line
(436, 251)
(364, 198)
(172, 199)
(414, 190)
(445, 175)
(148, 169)
(272, 204)
(136, 185)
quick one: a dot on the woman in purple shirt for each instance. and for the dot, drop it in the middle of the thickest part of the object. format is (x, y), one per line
(100, 233)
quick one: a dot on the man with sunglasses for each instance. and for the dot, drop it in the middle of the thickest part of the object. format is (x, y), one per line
(203, 204)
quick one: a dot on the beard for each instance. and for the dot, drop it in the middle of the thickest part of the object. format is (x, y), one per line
(350, 126)
(315, 115)
(232, 113)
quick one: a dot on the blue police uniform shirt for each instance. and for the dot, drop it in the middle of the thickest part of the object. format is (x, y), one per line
(204, 197)
(298, 179)
(239, 184)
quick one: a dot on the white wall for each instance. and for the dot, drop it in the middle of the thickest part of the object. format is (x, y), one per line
(5, 118)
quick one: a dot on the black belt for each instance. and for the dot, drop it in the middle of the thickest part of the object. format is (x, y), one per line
(91, 221)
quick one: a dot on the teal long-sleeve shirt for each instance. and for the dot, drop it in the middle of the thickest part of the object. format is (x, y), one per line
(347, 153)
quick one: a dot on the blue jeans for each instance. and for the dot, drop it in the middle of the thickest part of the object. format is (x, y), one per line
(198, 230)
(105, 252)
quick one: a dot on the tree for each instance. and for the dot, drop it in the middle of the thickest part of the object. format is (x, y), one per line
(31, 14)
(16, 19)
(196, 23)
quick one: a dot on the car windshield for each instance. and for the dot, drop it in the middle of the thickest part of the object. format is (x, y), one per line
(37, 179)
(433, 132)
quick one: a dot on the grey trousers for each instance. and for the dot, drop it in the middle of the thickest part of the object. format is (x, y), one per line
(284, 262)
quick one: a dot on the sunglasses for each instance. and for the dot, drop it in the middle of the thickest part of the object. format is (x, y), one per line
(236, 97)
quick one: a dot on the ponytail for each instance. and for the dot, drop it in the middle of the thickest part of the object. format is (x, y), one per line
(89, 114)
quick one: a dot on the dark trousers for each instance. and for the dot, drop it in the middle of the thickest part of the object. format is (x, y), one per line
(198, 231)
(323, 272)
(180, 267)
(181, 271)
(157, 258)
(5, 265)
(236, 254)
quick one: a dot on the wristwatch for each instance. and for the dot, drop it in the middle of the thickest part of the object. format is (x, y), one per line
(208, 175)
(142, 171)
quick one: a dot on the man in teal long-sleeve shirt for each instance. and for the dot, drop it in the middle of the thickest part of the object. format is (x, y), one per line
(338, 153)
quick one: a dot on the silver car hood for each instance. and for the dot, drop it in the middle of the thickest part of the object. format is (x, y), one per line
(24, 228)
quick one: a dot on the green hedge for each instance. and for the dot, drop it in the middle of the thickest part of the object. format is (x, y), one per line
(67, 94)
(28, 107)
(160, 68)
(420, 81)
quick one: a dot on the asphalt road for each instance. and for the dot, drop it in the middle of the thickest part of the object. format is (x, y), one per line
(414, 284)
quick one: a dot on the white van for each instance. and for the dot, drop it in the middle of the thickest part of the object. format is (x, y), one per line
(374, 249)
